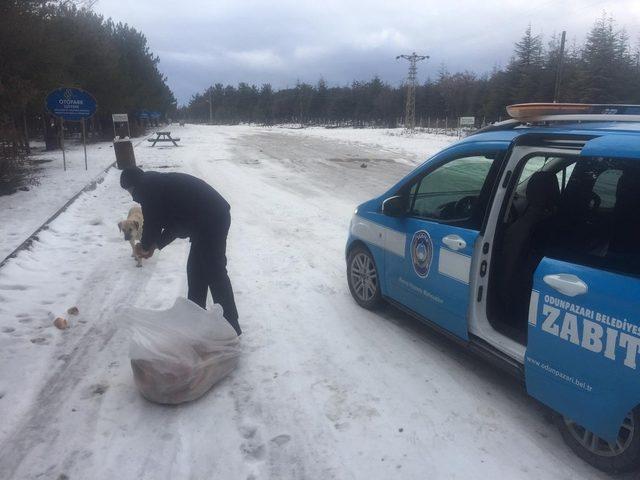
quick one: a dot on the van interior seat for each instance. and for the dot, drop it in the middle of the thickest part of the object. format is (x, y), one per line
(520, 255)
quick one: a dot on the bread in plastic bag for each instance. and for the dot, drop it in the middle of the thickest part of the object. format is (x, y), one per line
(178, 354)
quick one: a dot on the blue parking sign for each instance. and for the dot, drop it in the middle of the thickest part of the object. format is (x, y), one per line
(71, 104)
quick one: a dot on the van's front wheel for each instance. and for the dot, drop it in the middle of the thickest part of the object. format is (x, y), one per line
(621, 456)
(362, 276)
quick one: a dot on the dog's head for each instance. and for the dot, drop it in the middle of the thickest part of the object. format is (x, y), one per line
(129, 228)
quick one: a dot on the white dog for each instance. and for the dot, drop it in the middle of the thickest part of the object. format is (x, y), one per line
(132, 229)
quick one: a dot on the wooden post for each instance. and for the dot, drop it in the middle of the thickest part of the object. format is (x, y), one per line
(26, 131)
(84, 144)
(64, 158)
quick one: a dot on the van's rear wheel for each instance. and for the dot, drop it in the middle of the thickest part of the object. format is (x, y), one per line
(362, 276)
(621, 456)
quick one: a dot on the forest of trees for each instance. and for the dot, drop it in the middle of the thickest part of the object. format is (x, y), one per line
(603, 69)
(52, 43)
(45, 44)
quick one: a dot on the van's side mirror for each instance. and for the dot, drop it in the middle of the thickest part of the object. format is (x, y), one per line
(394, 206)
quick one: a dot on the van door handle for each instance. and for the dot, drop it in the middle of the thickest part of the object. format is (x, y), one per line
(567, 284)
(454, 242)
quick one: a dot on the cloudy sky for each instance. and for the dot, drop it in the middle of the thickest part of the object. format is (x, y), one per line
(201, 42)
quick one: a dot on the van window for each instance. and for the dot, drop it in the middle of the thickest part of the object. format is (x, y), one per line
(598, 220)
(539, 163)
(605, 187)
(533, 165)
(564, 175)
(452, 192)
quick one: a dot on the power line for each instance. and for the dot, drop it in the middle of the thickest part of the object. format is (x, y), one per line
(410, 106)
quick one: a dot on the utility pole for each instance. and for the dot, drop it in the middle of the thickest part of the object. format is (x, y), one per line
(410, 106)
(210, 106)
(556, 94)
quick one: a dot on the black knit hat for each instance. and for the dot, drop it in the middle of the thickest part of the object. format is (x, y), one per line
(130, 177)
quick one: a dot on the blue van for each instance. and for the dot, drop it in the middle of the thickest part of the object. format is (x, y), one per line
(522, 242)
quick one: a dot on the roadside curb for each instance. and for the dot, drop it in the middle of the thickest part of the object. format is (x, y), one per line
(88, 187)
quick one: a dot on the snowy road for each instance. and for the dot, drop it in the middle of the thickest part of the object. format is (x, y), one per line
(324, 390)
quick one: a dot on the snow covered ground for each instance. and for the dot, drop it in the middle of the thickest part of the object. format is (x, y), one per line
(412, 147)
(325, 389)
(23, 212)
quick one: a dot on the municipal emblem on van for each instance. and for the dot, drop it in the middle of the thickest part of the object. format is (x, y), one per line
(421, 253)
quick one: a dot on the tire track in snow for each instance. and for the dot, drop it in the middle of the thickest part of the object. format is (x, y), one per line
(44, 430)
(268, 450)
(39, 432)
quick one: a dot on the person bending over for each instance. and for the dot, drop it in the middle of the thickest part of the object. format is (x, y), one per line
(177, 205)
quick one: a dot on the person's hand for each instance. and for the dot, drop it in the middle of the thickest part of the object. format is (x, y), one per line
(142, 253)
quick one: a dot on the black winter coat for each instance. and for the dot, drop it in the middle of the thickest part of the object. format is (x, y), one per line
(177, 205)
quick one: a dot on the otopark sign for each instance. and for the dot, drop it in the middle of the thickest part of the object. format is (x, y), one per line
(72, 105)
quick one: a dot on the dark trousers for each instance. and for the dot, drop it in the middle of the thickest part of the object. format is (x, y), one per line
(207, 270)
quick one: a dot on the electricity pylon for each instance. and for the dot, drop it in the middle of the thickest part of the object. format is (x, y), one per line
(410, 106)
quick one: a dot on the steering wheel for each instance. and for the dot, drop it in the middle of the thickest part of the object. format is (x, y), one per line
(464, 206)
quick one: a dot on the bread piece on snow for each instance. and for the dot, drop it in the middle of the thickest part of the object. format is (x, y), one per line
(61, 323)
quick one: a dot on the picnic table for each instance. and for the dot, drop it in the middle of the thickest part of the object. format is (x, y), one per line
(163, 137)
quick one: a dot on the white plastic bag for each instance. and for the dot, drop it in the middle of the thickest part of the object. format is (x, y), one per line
(177, 355)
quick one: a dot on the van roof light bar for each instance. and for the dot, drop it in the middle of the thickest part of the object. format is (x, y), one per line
(528, 112)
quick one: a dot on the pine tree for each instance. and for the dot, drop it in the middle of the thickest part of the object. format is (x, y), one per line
(47, 44)
(526, 68)
(606, 63)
